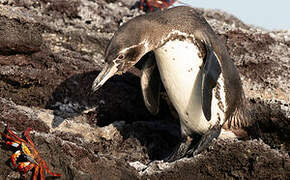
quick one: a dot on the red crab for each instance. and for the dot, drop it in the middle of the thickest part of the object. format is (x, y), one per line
(26, 149)
(151, 4)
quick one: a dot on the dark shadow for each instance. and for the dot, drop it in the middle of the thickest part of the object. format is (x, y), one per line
(120, 99)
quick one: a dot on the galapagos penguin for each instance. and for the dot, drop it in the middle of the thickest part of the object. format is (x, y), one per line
(195, 68)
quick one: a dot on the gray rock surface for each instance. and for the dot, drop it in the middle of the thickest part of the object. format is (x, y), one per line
(51, 51)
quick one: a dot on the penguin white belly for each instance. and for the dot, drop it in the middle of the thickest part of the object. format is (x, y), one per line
(180, 69)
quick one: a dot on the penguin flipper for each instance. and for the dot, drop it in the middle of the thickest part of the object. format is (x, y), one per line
(211, 73)
(150, 84)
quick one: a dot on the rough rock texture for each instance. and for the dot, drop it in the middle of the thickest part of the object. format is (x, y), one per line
(50, 52)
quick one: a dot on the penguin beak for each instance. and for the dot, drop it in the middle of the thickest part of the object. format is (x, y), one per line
(108, 71)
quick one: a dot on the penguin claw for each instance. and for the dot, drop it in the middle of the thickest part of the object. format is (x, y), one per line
(180, 150)
(207, 139)
(179, 153)
(186, 149)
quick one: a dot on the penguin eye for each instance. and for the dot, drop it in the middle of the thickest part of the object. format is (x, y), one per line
(121, 56)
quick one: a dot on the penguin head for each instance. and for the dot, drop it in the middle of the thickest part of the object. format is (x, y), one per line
(125, 49)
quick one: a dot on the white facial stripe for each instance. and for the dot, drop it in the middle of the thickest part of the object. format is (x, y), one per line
(144, 42)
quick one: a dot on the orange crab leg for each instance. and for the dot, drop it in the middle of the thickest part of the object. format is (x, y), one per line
(26, 134)
(27, 149)
(42, 177)
(14, 157)
(26, 167)
(22, 165)
(10, 138)
(36, 171)
(14, 138)
(149, 4)
(161, 4)
(49, 171)
(141, 4)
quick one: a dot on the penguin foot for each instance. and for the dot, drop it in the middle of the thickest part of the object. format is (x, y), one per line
(186, 147)
(180, 150)
(206, 140)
